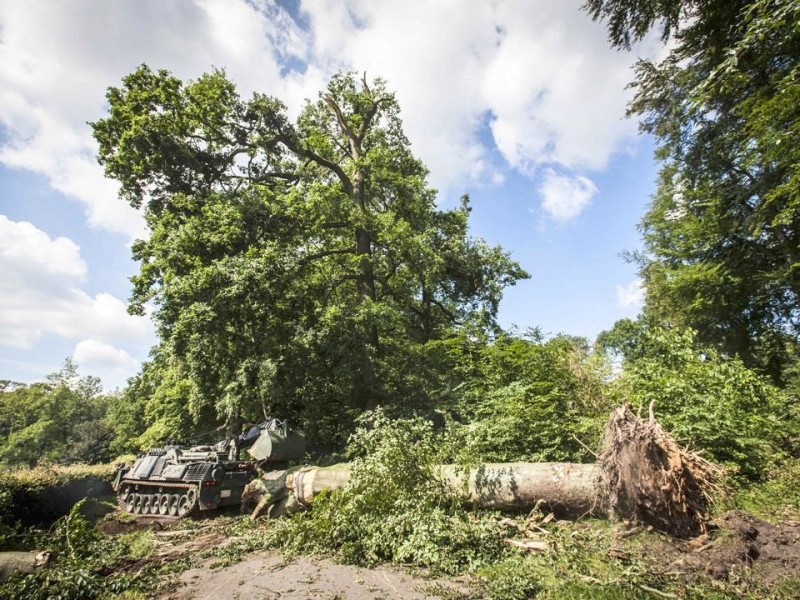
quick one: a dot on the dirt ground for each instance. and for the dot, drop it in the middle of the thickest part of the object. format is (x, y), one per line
(738, 543)
(270, 576)
(742, 541)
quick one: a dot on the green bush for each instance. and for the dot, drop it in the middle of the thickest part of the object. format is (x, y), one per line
(394, 509)
(536, 401)
(86, 563)
(776, 498)
(32, 495)
(711, 402)
(511, 579)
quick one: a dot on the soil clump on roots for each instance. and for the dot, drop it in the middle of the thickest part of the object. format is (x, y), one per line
(649, 477)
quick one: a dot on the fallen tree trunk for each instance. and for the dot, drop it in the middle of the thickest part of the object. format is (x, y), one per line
(643, 474)
(568, 489)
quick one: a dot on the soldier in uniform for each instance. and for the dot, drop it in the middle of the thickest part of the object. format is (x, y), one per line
(233, 429)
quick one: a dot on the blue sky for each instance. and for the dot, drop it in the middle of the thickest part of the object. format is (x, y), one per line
(518, 103)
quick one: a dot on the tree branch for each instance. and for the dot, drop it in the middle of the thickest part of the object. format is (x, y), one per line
(452, 317)
(355, 145)
(312, 257)
(323, 162)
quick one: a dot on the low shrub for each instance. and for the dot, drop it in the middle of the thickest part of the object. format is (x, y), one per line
(776, 498)
(394, 509)
(86, 563)
(42, 494)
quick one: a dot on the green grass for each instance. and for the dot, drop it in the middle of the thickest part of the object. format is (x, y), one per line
(778, 498)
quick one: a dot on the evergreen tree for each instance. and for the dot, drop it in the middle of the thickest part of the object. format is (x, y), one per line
(722, 235)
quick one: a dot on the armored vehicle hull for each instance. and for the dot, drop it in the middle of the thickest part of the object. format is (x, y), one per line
(169, 482)
(173, 482)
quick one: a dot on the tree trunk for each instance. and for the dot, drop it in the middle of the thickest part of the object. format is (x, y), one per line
(366, 276)
(567, 489)
(366, 293)
(22, 562)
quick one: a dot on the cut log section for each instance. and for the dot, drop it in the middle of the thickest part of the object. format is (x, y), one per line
(643, 474)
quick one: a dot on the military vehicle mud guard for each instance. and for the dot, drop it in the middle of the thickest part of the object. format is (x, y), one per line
(173, 482)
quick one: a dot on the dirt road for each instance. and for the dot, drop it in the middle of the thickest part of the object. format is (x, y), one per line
(270, 576)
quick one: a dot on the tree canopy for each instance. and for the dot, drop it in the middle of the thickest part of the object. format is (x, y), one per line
(295, 268)
(722, 234)
(64, 419)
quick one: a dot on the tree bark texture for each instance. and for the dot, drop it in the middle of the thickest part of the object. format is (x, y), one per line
(21, 562)
(568, 489)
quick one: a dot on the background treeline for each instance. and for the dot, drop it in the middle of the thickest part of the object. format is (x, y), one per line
(302, 268)
(65, 419)
(515, 397)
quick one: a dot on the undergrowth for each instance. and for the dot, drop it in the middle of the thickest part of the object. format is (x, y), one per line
(87, 563)
(777, 498)
(32, 496)
(394, 510)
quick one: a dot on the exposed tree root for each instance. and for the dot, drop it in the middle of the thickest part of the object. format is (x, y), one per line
(649, 477)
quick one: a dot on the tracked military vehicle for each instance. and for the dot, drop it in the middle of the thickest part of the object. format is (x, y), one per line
(174, 482)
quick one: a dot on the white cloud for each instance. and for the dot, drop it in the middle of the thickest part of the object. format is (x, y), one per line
(565, 197)
(540, 72)
(486, 88)
(57, 60)
(631, 295)
(40, 293)
(25, 250)
(113, 365)
(555, 89)
(100, 353)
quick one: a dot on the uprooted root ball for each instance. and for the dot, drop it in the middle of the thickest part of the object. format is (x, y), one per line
(649, 477)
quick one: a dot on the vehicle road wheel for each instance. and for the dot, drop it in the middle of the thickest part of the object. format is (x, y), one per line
(183, 506)
(146, 505)
(174, 500)
(163, 504)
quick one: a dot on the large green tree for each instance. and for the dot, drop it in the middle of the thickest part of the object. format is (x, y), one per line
(722, 235)
(295, 268)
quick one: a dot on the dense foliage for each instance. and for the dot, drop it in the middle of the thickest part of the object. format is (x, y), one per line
(394, 509)
(296, 269)
(722, 235)
(531, 399)
(65, 419)
(710, 402)
(302, 269)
